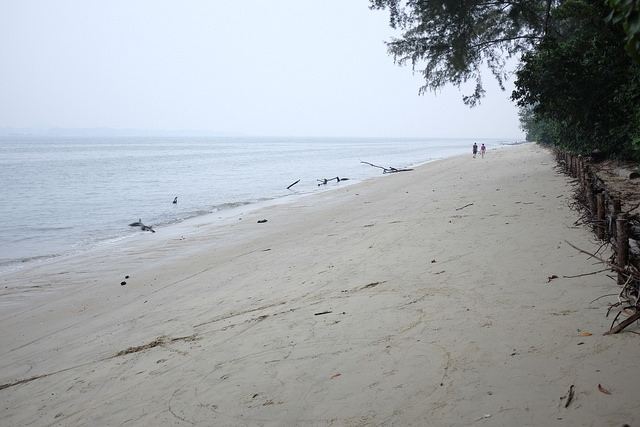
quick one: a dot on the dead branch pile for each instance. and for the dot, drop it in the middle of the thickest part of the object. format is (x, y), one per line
(609, 210)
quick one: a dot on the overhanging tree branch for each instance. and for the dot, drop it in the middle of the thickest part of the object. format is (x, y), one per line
(455, 39)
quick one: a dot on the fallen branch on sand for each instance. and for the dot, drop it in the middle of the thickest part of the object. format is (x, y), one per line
(387, 170)
(465, 206)
(569, 396)
(625, 297)
(629, 320)
(615, 267)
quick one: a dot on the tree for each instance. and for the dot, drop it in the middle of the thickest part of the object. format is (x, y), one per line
(575, 85)
(535, 130)
(453, 40)
(583, 89)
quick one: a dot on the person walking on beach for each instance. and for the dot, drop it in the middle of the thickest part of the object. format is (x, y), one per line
(475, 150)
(482, 150)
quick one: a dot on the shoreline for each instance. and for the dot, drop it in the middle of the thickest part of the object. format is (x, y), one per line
(24, 247)
(425, 298)
(210, 220)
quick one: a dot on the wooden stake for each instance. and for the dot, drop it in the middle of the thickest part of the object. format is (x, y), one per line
(617, 206)
(601, 213)
(623, 246)
(590, 196)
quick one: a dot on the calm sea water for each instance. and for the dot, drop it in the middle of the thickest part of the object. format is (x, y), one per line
(67, 194)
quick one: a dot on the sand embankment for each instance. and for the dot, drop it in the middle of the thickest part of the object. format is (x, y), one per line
(422, 298)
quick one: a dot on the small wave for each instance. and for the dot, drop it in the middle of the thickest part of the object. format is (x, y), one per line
(13, 265)
(50, 229)
(39, 258)
(220, 208)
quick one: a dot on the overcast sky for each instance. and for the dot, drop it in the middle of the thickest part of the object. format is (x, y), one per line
(254, 67)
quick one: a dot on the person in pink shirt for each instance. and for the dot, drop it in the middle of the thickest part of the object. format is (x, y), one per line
(482, 150)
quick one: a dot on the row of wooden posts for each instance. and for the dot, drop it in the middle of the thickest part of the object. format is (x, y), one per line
(609, 222)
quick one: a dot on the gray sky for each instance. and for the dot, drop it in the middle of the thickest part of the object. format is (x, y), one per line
(256, 67)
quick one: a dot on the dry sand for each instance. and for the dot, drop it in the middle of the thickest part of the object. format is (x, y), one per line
(418, 299)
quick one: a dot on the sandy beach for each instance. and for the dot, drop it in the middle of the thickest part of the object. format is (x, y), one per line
(421, 298)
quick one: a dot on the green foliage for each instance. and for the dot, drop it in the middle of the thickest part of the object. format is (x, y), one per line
(450, 41)
(627, 13)
(536, 130)
(576, 86)
(582, 88)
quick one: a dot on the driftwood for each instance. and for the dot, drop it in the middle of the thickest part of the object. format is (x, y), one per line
(293, 184)
(629, 320)
(387, 170)
(569, 396)
(613, 266)
(627, 173)
(143, 227)
(325, 181)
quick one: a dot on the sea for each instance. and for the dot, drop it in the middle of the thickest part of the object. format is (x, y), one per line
(64, 195)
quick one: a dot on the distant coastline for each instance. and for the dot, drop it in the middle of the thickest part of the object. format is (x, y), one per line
(105, 132)
(113, 132)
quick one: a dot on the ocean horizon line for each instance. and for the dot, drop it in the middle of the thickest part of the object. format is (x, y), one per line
(102, 131)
